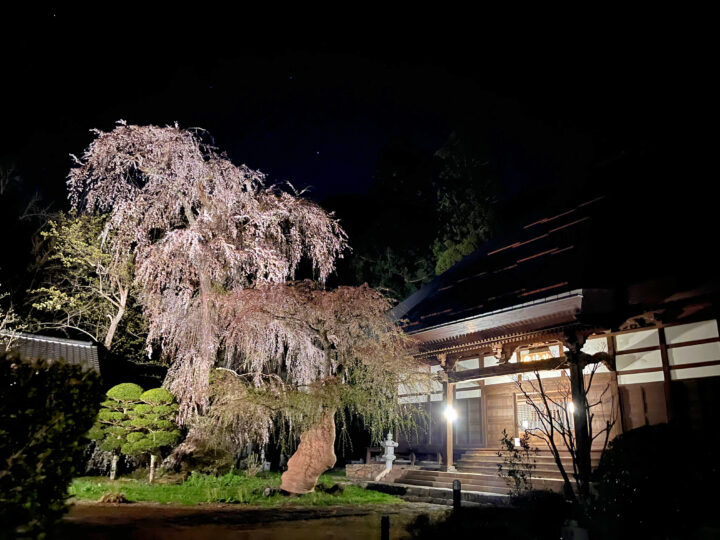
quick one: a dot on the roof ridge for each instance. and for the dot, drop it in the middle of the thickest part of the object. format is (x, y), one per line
(49, 339)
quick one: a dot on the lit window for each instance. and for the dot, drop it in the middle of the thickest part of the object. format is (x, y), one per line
(529, 419)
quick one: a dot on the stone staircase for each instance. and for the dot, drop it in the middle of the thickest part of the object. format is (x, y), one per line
(477, 470)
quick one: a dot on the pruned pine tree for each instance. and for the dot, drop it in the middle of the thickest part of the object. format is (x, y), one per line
(157, 430)
(135, 423)
(114, 421)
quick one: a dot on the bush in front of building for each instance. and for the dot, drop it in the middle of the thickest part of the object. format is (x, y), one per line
(532, 515)
(655, 480)
(45, 411)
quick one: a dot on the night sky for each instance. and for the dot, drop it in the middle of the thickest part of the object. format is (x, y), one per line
(316, 102)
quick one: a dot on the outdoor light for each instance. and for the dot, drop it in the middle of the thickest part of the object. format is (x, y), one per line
(571, 407)
(450, 413)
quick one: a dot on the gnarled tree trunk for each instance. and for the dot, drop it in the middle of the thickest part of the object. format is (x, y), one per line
(315, 454)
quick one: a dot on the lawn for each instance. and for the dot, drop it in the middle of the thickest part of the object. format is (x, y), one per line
(230, 488)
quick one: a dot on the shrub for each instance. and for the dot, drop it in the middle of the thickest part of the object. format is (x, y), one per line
(45, 410)
(655, 480)
(253, 465)
(517, 463)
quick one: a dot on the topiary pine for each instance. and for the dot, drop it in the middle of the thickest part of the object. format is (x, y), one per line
(135, 423)
(156, 417)
(114, 421)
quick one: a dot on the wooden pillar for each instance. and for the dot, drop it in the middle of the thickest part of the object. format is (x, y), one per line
(580, 416)
(449, 402)
(666, 371)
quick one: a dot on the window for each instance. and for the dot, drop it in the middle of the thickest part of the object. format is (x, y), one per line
(528, 418)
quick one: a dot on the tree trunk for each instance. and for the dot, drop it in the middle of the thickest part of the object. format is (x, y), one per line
(152, 468)
(182, 451)
(115, 320)
(113, 467)
(314, 455)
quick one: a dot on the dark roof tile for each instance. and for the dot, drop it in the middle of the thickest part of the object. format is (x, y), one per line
(31, 347)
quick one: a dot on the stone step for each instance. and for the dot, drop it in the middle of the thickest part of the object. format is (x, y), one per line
(471, 482)
(539, 455)
(543, 450)
(497, 459)
(463, 476)
(476, 484)
(547, 464)
(536, 457)
(538, 472)
(480, 488)
(440, 495)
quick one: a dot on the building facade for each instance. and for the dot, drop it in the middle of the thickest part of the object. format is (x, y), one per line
(500, 328)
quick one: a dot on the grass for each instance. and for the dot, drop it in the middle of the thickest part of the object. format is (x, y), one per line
(230, 488)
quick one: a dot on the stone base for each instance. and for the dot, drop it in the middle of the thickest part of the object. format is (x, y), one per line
(376, 472)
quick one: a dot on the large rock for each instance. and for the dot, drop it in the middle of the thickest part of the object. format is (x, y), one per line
(314, 456)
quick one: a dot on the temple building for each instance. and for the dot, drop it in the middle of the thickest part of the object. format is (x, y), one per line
(34, 346)
(499, 326)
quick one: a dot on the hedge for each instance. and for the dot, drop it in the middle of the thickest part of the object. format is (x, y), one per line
(45, 411)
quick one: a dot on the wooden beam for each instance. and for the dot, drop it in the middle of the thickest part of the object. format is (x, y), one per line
(520, 367)
(508, 369)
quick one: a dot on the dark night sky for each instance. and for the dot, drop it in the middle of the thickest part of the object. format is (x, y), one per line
(315, 106)
(315, 102)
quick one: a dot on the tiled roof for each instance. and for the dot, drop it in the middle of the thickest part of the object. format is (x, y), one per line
(542, 259)
(31, 347)
(609, 242)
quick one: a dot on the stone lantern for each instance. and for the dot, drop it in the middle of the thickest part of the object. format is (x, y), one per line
(389, 446)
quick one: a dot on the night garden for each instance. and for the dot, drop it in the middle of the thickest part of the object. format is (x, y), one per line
(313, 285)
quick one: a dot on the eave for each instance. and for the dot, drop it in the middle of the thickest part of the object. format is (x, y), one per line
(543, 313)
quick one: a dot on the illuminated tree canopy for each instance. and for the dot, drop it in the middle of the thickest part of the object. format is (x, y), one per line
(215, 254)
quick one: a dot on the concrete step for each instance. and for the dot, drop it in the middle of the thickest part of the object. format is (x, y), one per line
(538, 472)
(494, 486)
(536, 459)
(440, 495)
(488, 459)
(471, 481)
(494, 452)
(463, 476)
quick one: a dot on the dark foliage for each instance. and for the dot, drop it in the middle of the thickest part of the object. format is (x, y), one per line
(534, 515)
(517, 463)
(45, 410)
(656, 482)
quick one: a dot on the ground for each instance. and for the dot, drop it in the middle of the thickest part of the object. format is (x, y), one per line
(218, 521)
(234, 506)
(230, 488)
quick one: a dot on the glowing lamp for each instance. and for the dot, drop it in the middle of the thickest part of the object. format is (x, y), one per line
(571, 407)
(450, 414)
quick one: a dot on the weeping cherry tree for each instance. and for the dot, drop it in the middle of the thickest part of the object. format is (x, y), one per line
(215, 253)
